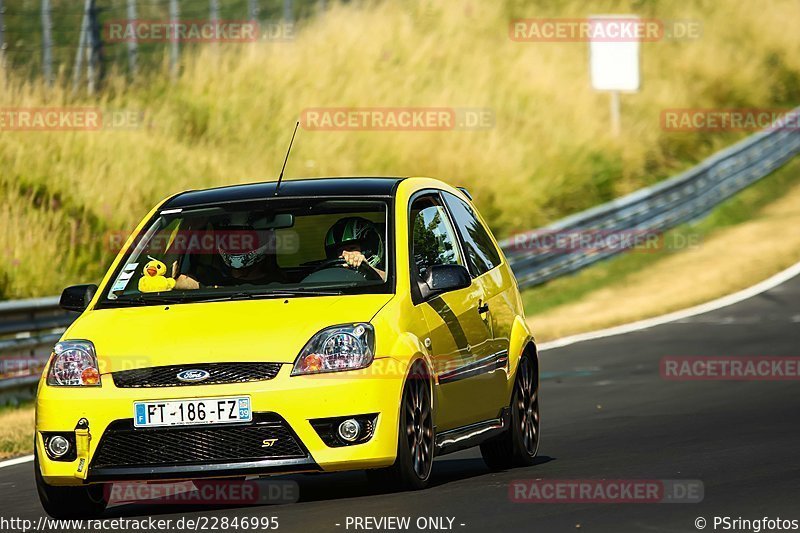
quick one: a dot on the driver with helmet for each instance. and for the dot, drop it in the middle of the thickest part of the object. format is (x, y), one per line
(358, 242)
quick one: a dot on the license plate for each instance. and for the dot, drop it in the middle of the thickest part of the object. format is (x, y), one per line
(191, 412)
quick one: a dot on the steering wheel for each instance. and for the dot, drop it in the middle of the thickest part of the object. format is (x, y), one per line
(339, 262)
(331, 263)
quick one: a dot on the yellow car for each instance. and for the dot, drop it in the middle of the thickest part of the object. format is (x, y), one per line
(317, 325)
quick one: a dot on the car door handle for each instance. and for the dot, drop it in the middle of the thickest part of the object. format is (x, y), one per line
(483, 308)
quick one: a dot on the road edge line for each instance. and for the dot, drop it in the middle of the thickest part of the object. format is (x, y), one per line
(725, 301)
(16, 461)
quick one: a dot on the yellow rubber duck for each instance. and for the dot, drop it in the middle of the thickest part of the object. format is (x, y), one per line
(153, 279)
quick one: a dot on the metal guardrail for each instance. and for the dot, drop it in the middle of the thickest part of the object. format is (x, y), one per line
(683, 198)
(29, 328)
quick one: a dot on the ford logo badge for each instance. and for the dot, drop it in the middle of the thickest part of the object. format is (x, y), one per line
(192, 376)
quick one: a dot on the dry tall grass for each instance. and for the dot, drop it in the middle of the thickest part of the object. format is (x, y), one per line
(16, 431)
(228, 118)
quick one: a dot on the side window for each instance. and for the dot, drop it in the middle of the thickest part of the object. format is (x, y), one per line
(481, 252)
(433, 241)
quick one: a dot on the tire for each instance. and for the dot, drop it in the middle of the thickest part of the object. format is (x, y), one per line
(415, 439)
(518, 445)
(69, 502)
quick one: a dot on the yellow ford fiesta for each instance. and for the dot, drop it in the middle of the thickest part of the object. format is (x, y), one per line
(311, 326)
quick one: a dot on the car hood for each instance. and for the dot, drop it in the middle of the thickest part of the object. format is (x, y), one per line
(273, 330)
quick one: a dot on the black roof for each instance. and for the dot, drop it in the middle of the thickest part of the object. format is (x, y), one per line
(300, 187)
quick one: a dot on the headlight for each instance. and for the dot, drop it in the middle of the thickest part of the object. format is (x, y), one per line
(74, 364)
(337, 348)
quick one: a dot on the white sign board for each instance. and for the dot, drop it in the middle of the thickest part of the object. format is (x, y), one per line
(614, 53)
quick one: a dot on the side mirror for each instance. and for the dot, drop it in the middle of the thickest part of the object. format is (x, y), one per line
(445, 278)
(77, 297)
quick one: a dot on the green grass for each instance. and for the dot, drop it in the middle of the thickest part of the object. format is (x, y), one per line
(616, 270)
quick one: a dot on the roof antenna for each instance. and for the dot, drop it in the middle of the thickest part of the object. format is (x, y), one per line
(278, 186)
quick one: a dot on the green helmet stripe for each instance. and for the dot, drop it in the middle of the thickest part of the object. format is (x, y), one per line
(350, 231)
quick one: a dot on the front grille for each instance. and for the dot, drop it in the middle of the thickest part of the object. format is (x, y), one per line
(167, 376)
(124, 446)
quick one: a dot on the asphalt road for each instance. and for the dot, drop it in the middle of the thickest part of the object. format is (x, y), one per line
(606, 413)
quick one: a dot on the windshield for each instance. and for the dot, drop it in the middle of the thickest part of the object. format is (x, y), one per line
(256, 249)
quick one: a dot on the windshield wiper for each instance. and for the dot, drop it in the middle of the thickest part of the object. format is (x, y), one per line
(283, 293)
(241, 295)
(147, 300)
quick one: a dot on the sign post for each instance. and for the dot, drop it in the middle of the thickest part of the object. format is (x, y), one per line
(614, 59)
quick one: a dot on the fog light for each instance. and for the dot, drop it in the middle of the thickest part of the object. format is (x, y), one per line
(58, 446)
(349, 430)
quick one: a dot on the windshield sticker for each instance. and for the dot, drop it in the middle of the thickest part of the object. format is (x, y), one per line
(124, 277)
(121, 283)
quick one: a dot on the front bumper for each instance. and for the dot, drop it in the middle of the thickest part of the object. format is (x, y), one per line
(297, 400)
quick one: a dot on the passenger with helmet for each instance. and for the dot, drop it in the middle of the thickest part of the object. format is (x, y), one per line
(257, 265)
(358, 242)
